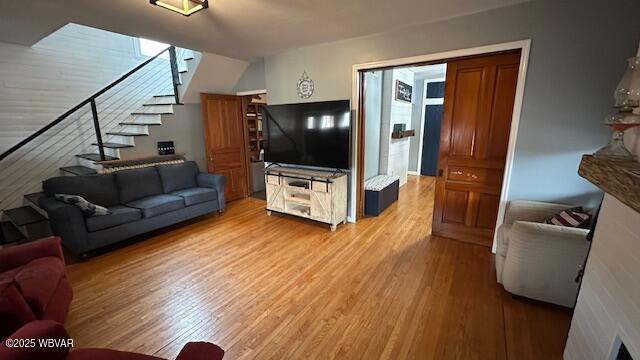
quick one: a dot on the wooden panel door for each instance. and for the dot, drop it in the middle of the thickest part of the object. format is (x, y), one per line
(478, 107)
(225, 142)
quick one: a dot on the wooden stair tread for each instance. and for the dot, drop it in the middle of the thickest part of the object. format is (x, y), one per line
(33, 198)
(112, 145)
(139, 124)
(149, 113)
(9, 233)
(79, 170)
(124, 133)
(24, 215)
(96, 157)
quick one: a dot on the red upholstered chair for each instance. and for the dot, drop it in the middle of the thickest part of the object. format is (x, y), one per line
(47, 329)
(33, 284)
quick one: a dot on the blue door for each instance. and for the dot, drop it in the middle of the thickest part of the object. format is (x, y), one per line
(431, 140)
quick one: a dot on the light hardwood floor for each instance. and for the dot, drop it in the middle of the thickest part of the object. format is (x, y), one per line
(280, 288)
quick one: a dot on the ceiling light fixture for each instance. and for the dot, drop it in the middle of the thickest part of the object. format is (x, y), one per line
(184, 7)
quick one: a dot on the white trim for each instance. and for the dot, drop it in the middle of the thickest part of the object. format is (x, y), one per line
(251, 92)
(513, 134)
(434, 101)
(423, 113)
(523, 45)
(414, 173)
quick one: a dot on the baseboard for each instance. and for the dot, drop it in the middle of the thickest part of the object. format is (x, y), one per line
(413, 173)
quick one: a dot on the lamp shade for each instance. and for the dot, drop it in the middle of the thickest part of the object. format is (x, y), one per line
(184, 7)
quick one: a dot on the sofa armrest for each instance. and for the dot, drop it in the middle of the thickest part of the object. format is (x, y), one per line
(67, 221)
(200, 351)
(542, 261)
(14, 256)
(216, 182)
(14, 310)
(39, 329)
(520, 210)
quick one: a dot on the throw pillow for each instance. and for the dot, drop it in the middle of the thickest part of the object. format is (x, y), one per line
(86, 207)
(573, 217)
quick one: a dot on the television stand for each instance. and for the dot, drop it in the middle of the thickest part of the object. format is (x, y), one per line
(310, 194)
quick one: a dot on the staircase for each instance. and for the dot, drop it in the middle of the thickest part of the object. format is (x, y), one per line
(74, 143)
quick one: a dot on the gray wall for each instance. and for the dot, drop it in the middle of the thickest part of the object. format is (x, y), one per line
(577, 57)
(252, 78)
(184, 128)
(373, 111)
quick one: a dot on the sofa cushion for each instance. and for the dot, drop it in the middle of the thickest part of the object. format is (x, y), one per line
(58, 306)
(38, 280)
(14, 311)
(39, 329)
(97, 189)
(178, 176)
(157, 204)
(119, 215)
(196, 195)
(136, 184)
(107, 354)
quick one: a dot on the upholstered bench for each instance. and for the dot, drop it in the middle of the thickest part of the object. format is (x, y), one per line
(379, 192)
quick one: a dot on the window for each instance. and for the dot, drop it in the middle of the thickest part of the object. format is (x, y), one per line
(151, 48)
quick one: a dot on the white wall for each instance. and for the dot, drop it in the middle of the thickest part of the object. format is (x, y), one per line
(577, 57)
(40, 83)
(394, 153)
(215, 74)
(609, 301)
(373, 113)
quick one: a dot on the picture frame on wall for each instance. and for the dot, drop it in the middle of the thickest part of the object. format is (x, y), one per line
(404, 91)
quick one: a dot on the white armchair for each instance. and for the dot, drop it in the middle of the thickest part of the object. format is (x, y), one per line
(537, 260)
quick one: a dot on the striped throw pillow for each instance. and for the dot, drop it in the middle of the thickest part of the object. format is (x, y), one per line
(573, 217)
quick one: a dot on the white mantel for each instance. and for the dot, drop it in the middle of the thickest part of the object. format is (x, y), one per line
(609, 301)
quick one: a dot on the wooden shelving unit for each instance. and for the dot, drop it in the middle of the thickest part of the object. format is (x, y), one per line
(403, 134)
(252, 109)
(621, 179)
(315, 195)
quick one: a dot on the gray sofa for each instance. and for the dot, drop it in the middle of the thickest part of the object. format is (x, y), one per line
(140, 200)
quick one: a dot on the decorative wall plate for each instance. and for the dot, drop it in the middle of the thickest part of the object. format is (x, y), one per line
(305, 86)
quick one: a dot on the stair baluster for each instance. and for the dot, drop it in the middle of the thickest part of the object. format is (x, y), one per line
(96, 125)
(175, 74)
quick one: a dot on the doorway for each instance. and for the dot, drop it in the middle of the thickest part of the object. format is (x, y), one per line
(432, 119)
(224, 135)
(476, 140)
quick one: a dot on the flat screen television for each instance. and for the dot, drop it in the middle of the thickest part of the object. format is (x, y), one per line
(312, 134)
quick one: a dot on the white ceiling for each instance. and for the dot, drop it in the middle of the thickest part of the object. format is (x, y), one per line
(242, 29)
(436, 71)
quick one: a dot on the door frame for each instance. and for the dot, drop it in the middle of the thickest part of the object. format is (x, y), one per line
(423, 120)
(357, 104)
